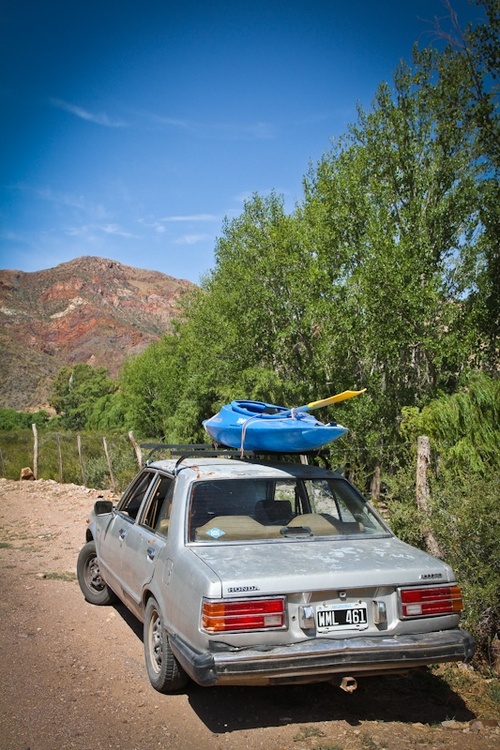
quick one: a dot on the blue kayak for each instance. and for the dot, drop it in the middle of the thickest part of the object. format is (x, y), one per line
(258, 426)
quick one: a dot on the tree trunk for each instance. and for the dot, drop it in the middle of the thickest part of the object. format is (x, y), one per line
(375, 484)
(35, 450)
(423, 493)
(136, 448)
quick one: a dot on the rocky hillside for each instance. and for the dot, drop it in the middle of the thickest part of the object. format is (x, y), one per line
(89, 310)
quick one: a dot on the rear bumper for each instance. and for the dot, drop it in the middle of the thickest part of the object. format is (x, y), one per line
(320, 660)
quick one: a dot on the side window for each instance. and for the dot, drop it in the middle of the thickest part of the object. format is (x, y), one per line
(321, 498)
(157, 502)
(132, 500)
(163, 517)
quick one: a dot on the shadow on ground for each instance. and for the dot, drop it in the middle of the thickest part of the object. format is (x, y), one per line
(419, 696)
(134, 624)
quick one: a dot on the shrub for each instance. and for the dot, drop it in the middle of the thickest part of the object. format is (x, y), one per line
(122, 458)
(10, 419)
(465, 522)
(16, 452)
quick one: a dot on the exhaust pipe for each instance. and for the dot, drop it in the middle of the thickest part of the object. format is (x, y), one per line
(348, 684)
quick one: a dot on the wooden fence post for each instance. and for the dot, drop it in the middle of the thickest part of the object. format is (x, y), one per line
(80, 455)
(35, 450)
(136, 447)
(423, 493)
(110, 467)
(59, 457)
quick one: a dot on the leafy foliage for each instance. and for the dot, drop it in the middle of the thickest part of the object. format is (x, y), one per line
(76, 391)
(464, 427)
(383, 276)
(465, 519)
(10, 419)
(464, 488)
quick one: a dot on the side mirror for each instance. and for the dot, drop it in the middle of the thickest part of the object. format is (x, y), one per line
(102, 507)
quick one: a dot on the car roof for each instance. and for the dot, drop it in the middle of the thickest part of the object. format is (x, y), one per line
(230, 468)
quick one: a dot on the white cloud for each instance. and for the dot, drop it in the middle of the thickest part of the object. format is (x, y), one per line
(80, 231)
(248, 131)
(98, 118)
(174, 122)
(234, 131)
(95, 211)
(192, 217)
(116, 230)
(191, 239)
(245, 196)
(92, 231)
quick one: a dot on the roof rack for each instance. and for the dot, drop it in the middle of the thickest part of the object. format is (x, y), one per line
(190, 450)
(193, 450)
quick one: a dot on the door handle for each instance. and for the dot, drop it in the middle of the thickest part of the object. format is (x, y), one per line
(122, 534)
(151, 551)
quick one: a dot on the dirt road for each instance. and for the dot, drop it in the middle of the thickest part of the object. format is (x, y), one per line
(73, 676)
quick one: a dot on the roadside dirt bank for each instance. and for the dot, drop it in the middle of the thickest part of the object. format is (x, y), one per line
(72, 675)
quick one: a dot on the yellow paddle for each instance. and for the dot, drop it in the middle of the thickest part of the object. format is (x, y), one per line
(331, 400)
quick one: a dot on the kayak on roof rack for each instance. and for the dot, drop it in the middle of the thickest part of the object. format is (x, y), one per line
(257, 425)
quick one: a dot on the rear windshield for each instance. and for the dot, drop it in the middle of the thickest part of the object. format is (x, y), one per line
(247, 509)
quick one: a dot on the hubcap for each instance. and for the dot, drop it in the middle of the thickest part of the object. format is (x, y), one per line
(94, 579)
(155, 641)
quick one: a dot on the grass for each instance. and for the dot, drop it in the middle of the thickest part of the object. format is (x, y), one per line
(16, 450)
(369, 743)
(66, 575)
(307, 732)
(479, 691)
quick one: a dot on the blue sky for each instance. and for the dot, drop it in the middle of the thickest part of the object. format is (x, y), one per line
(129, 130)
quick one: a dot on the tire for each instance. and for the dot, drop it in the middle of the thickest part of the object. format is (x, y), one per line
(92, 585)
(164, 671)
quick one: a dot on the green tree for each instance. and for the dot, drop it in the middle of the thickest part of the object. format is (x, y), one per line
(471, 62)
(464, 427)
(383, 277)
(396, 209)
(260, 290)
(108, 413)
(76, 391)
(152, 385)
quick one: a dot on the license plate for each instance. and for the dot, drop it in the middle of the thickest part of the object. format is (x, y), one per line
(342, 616)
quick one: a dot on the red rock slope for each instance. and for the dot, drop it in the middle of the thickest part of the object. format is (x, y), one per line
(89, 310)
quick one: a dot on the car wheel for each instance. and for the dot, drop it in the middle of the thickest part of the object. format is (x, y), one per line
(164, 671)
(91, 583)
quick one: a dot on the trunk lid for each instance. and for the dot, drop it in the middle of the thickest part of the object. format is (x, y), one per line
(319, 565)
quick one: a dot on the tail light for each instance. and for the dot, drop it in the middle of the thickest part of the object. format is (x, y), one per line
(249, 614)
(428, 601)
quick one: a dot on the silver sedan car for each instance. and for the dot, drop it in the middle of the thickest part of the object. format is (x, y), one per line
(253, 573)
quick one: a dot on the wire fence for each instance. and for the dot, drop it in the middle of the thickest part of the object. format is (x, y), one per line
(101, 461)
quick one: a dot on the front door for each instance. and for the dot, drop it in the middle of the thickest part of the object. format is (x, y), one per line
(112, 543)
(146, 538)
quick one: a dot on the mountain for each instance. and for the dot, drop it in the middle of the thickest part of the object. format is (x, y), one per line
(89, 310)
